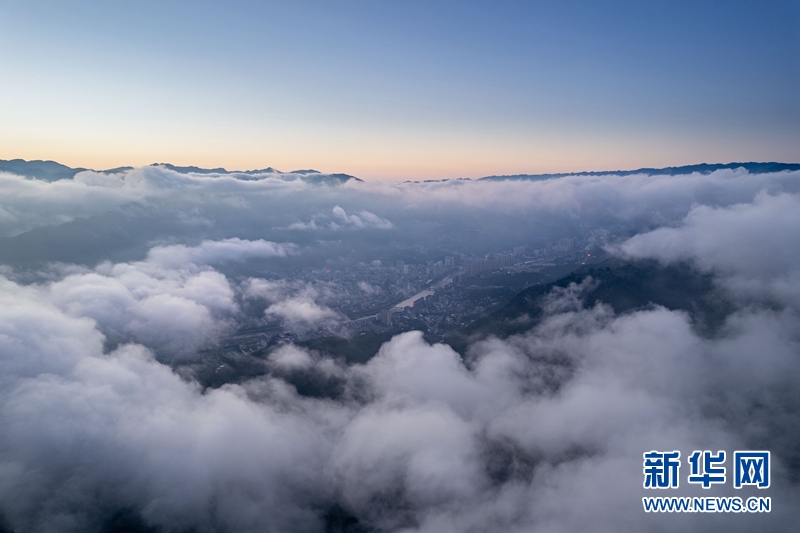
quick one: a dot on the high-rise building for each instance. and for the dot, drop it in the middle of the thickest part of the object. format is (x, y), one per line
(385, 318)
(564, 245)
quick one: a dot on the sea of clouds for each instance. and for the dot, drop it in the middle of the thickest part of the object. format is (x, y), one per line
(537, 432)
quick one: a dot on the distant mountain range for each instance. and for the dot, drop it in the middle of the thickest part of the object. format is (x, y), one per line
(52, 171)
(702, 168)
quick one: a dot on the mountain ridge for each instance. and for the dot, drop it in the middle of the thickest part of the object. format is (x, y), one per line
(703, 168)
(53, 171)
(49, 170)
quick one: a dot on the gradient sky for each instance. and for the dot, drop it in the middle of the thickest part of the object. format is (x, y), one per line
(397, 90)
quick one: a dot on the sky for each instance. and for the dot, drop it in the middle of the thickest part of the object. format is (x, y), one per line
(400, 90)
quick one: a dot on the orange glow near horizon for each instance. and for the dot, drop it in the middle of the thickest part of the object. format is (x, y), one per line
(376, 160)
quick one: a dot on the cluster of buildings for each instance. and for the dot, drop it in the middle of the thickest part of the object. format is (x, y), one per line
(484, 265)
(436, 293)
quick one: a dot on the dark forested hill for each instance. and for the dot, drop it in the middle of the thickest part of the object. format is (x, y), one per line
(624, 286)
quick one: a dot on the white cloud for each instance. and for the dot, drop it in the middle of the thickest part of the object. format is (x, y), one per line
(299, 305)
(754, 245)
(363, 220)
(368, 288)
(341, 220)
(212, 252)
(290, 357)
(301, 311)
(636, 201)
(539, 432)
(127, 432)
(29, 203)
(540, 420)
(311, 225)
(171, 302)
(374, 221)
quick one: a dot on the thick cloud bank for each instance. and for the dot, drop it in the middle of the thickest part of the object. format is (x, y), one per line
(298, 305)
(297, 204)
(537, 432)
(172, 302)
(754, 246)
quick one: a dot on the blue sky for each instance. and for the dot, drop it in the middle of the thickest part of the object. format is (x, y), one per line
(395, 90)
